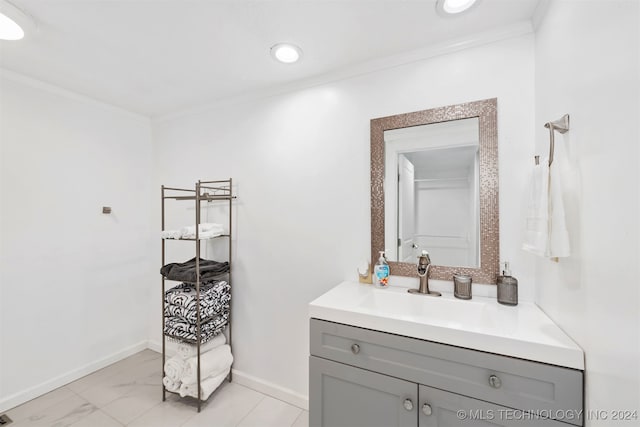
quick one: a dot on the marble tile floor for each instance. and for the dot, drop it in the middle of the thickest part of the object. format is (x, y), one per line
(128, 393)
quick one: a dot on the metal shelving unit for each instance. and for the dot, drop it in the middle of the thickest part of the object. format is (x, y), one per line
(205, 191)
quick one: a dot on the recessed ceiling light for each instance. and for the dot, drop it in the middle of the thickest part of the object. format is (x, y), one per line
(9, 29)
(14, 24)
(286, 52)
(452, 7)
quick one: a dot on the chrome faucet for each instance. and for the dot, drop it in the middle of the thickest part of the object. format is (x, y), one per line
(424, 268)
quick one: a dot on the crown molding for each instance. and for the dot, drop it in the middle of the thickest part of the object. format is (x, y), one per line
(57, 90)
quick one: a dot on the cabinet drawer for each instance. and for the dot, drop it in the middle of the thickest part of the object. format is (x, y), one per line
(439, 408)
(503, 380)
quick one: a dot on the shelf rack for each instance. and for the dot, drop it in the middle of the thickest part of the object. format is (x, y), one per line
(205, 191)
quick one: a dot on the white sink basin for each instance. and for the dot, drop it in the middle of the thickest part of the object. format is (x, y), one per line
(413, 307)
(523, 331)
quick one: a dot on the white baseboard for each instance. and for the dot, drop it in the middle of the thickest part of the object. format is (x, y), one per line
(47, 386)
(154, 345)
(271, 389)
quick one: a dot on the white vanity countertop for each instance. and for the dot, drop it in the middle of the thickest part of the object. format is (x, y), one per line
(523, 331)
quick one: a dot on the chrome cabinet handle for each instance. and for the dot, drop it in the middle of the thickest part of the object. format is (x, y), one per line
(408, 404)
(426, 409)
(355, 348)
(495, 382)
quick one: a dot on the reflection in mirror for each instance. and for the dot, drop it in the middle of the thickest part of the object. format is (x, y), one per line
(432, 176)
(434, 187)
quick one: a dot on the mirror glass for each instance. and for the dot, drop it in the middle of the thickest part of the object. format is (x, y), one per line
(434, 187)
(432, 175)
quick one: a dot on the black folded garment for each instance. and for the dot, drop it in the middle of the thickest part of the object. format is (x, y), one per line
(186, 271)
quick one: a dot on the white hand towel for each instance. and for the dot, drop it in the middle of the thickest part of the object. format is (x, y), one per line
(537, 219)
(186, 350)
(207, 386)
(558, 245)
(211, 363)
(171, 385)
(546, 232)
(174, 368)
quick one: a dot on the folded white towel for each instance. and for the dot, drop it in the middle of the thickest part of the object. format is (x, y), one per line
(207, 386)
(174, 368)
(206, 231)
(172, 234)
(208, 234)
(211, 363)
(171, 385)
(545, 230)
(186, 350)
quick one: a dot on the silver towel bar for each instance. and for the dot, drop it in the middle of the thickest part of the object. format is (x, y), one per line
(561, 125)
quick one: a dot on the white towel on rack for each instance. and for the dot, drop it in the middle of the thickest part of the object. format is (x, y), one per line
(171, 385)
(206, 230)
(207, 386)
(211, 363)
(174, 368)
(209, 234)
(172, 234)
(186, 350)
(545, 227)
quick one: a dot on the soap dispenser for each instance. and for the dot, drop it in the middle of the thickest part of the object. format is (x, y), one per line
(381, 272)
(507, 287)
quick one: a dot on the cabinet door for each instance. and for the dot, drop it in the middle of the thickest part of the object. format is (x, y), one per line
(438, 408)
(343, 396)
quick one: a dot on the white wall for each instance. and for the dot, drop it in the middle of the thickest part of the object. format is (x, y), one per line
(301, 164)
(587, 66)
(73, 282)
(446, 208)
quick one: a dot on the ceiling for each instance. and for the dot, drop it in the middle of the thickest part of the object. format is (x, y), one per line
(438, 150)
(443, 163)
(156, 57)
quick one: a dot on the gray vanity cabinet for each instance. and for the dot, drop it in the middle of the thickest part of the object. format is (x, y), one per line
(361, 377)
